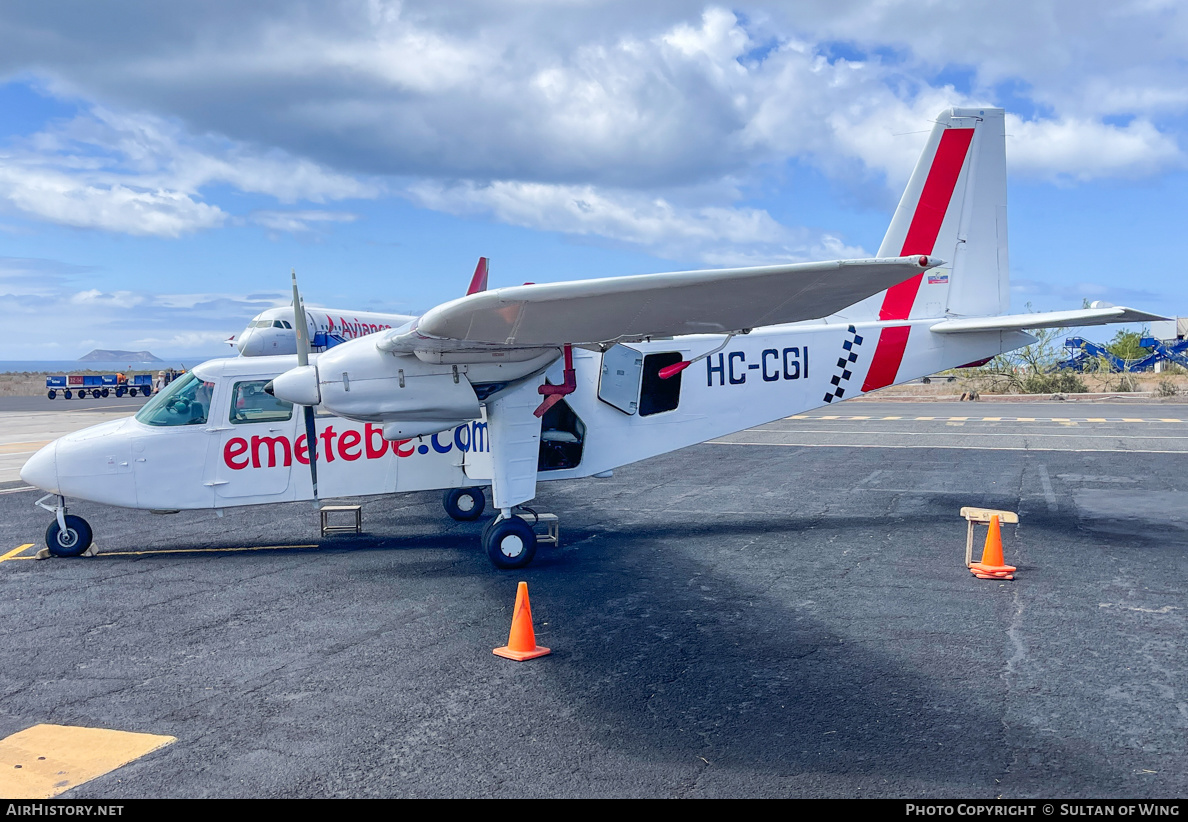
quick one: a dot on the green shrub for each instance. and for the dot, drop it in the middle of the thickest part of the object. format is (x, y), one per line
(1056, 382)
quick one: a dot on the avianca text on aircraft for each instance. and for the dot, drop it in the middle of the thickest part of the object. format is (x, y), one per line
(511, 386)
(271, 332)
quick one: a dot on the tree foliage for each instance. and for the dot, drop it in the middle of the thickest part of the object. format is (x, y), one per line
(1125, 344)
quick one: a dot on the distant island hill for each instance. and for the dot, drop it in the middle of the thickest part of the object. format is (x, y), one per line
(106, 355)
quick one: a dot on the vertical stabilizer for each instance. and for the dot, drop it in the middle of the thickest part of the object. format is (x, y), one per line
(954, 208)
(479, 281)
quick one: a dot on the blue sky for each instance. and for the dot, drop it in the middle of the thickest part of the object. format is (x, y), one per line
(163, 166)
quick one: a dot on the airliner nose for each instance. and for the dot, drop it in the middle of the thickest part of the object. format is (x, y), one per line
(250, 344)
(298, 385)
(41, 470)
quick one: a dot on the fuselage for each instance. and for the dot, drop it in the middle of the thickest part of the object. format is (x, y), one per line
(271, 332)
(216, 439)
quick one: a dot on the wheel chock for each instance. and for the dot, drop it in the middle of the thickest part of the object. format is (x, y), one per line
(521, 642)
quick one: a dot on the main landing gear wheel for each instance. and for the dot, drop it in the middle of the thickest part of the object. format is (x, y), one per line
(464, 504)
(510, 543)
(72, 542)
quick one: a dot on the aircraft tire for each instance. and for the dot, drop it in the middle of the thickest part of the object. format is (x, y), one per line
(510, 543)
(75, 540)
(464, 504)
(51, 393)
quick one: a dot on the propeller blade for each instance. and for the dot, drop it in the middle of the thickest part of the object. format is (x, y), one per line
(311, 431)
(299, 325)
(311, 439)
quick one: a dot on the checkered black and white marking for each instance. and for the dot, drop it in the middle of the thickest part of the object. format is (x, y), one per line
(844, 365)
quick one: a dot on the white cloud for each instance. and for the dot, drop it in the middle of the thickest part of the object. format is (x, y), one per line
(639, 123)
(68, 200)
(299, 221)
(1084, 149)
(707, 233)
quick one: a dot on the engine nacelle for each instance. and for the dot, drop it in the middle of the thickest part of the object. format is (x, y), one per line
(408, 396)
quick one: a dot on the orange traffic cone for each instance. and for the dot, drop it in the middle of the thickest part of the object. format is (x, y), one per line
(992, 565)
(521, 642)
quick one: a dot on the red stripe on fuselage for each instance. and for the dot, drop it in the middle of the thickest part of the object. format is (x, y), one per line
(921, 237)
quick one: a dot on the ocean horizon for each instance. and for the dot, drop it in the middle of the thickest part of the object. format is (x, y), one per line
(103, 367)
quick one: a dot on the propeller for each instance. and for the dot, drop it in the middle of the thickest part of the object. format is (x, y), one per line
(311, 433)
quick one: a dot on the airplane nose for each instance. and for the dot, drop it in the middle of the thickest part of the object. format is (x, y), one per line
(298, 385)
(250, 345)
(41, 470)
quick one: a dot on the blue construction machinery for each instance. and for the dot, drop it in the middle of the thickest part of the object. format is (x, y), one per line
(1082, 351)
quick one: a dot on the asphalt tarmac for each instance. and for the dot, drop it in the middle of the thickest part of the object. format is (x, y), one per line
(790, 618)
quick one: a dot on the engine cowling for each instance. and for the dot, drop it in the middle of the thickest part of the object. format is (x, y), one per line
(405, 394)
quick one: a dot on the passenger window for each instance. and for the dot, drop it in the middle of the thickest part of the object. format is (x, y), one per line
(249, 404)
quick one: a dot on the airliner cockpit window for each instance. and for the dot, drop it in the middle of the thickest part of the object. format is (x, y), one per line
(185, 401)
(250, 403)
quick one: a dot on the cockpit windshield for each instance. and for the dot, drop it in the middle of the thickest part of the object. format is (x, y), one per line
(184, 401)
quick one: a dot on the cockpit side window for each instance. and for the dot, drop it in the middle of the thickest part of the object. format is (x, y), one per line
(286, 324)
(249, 404)
(185, 401)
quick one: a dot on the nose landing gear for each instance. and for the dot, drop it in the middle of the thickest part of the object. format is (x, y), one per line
(68, 535)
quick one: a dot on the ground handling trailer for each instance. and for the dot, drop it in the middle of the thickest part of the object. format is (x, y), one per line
(98, 385)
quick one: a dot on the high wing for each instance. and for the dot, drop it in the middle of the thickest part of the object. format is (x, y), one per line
(1095, 315)
(623, 309)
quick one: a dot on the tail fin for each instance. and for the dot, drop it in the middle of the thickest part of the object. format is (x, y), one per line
(479, 281)
(954, 208)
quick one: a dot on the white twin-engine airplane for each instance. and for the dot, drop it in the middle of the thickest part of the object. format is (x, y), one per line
(508, 387)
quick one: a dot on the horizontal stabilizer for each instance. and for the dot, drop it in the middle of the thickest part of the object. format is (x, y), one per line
(656, 305)
(1047, 319)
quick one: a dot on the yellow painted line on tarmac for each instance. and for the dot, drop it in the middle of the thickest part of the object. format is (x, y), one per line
(13, 553)
(892, 418)
(924, 418)
(1095, 419)
(46, 760)
(169, 551)
(19, 447)
(202, 550)
(1163, 419)
(1132, 419)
